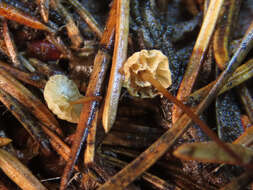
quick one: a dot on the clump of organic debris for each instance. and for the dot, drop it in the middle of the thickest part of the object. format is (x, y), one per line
(89, 132)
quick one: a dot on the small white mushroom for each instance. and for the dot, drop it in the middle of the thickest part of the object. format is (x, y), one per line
(59, 92)
(152, 62)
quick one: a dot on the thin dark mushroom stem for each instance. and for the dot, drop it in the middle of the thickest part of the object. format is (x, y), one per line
(148, 77)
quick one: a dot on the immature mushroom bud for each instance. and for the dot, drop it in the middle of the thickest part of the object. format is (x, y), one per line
(153, 62)
(59, 92)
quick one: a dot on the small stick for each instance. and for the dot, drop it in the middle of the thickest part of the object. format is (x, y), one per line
(197, 56)
(119, 56)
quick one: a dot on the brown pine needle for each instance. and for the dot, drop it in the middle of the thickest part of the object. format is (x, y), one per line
(198, 54)
(101, 64)
(119, 57)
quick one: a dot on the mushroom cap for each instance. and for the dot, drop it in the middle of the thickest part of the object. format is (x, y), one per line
(58, 93)
(153, 61)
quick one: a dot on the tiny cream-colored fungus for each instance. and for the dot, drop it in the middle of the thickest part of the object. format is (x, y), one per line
(59, 92)
(152, 62)
(64, 99)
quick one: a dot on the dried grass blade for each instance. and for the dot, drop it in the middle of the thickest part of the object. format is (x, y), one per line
(101, 65)
(222, 34)
(241, 74)
(22, 94)
(197, 56)
(18, 173)
(119, 56)
(145, 160)
(210, 152)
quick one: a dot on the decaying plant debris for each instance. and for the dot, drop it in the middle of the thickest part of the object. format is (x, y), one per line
(196, 135)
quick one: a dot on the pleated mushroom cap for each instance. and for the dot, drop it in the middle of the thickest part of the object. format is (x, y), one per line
(153, 61)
